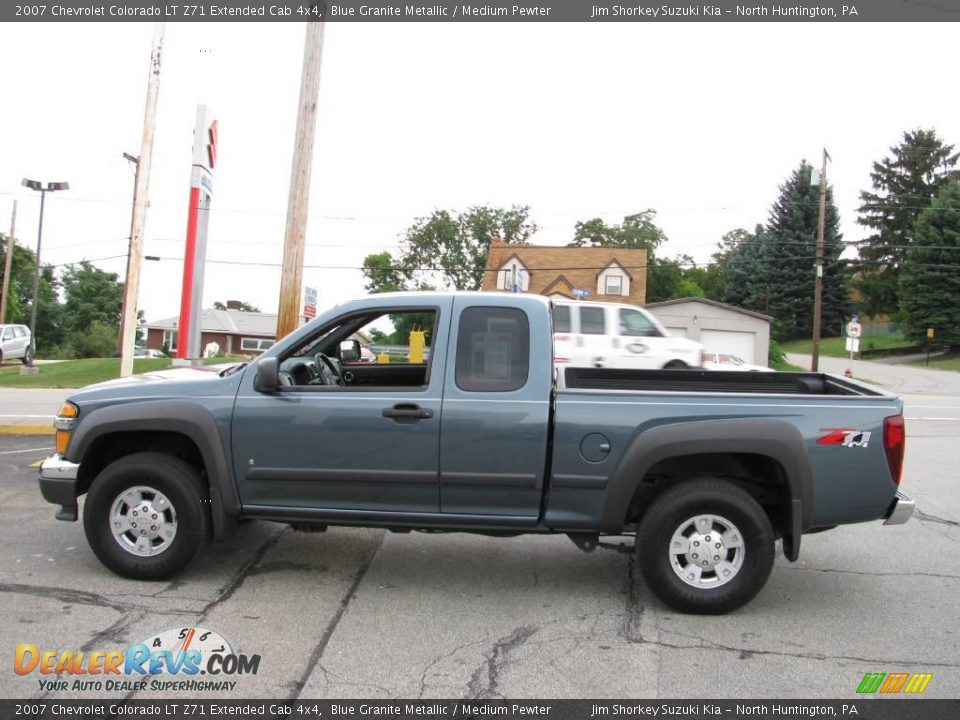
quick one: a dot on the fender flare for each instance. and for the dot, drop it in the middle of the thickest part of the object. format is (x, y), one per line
(185, 418)
(776, 439)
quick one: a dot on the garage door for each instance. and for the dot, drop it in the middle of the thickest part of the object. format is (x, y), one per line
(741, 344)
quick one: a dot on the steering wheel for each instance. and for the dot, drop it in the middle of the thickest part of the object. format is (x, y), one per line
(325, 363)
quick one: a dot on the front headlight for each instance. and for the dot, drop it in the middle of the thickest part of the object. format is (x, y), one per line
(64, 423)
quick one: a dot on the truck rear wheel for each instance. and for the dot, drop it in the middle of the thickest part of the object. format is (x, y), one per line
(705, 546)
(145, 516)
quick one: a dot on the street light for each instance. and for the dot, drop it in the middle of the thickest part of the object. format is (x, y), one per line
(51, 187)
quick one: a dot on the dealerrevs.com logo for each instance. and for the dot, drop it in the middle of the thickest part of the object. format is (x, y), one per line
(185, 658)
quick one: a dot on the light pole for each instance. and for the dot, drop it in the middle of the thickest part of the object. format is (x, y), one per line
(51, 187)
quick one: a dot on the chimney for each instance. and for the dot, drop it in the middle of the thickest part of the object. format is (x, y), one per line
(234, 304)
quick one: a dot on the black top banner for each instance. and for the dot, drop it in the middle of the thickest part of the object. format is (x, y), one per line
(489, 11)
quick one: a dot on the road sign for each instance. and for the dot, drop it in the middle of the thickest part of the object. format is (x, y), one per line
(853, 344)
(310, 310)
(930, 333)
(580, 293)
(854, 329)
(309, 296)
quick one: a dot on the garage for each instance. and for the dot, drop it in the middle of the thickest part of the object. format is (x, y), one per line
(720, 327)
(734, 342)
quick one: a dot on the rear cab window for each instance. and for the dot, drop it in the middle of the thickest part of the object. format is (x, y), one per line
(493, 349)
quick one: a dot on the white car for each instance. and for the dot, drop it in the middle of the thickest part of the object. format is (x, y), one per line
(15, 343)
(615, 335)
(729, 361)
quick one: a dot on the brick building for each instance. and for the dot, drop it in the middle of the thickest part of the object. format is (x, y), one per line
(611, 274)
(236, 331)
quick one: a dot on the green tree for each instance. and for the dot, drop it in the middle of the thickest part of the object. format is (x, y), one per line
(904, 185)
(48, 330)
(97, 340)
(447, 250)
(244, 306)
(787, 260)
(744, 270)
(930, 277)
(663, 278)
(90, 295)
(382, 274)
(637, 231)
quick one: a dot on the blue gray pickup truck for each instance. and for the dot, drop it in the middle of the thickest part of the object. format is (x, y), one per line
(479, 433)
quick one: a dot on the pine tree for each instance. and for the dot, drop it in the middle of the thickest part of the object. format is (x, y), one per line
(788, 260)
(745, 279)
(905, 185)
(930, 279)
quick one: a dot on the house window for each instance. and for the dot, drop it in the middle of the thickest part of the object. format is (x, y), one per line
(513, 276)
(170, 340)
(613, 285)
(256, 344)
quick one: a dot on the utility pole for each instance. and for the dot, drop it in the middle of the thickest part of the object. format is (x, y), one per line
(291, 278)
(818, 282)
(6, 269)
(131, 287)
(123, 306)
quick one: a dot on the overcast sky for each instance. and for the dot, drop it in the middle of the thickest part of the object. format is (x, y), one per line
(700, 122)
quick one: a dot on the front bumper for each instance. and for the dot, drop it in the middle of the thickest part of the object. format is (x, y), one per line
(900, 510)
(58, 485)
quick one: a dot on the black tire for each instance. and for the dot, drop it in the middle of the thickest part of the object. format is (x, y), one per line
(181, 487)
(675, 365)
(27, 356)
(682, 503)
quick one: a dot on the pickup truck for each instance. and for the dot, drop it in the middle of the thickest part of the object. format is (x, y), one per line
(706, 469)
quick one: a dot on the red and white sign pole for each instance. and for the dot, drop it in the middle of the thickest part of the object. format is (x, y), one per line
(198, 218)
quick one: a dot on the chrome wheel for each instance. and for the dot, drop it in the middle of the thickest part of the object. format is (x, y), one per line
(706, 551)
(143, 521)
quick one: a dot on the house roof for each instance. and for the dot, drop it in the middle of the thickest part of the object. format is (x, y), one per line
(579, 266)
(713, 303)
(233, 322)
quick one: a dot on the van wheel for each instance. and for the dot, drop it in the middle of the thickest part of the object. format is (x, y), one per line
(146, 516)
(675, 365)
(705, 546)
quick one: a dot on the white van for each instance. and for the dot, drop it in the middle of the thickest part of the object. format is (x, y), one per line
(614, 335)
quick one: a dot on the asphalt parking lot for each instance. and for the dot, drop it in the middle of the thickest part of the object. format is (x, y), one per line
(364, 613)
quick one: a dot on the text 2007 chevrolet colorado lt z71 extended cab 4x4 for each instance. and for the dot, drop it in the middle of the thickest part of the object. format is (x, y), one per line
(707, 468)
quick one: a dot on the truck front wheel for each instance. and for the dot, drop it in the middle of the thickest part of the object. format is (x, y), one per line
(145, 516)
(705, 546)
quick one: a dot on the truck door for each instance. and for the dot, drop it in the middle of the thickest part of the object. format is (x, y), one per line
(496, 409)
(371, 444)
(639, 343)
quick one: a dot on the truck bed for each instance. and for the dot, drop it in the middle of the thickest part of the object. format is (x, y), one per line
(714, 381)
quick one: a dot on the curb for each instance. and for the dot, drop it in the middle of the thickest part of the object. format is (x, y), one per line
(26, 429)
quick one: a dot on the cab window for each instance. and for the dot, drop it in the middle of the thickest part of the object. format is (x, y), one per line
(591, 321)
(634, 323)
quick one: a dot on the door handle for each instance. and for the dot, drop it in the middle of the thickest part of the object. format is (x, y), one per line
(407, 413)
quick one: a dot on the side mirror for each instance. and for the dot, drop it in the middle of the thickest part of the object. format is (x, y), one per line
(268, 375)
(350, 351)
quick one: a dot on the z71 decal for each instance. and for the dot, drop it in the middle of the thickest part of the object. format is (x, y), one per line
(845, 437)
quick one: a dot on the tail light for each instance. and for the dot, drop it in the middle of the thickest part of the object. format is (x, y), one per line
(894, 442)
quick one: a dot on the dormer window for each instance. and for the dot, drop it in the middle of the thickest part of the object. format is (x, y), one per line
(613, 280)
(513, 276)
